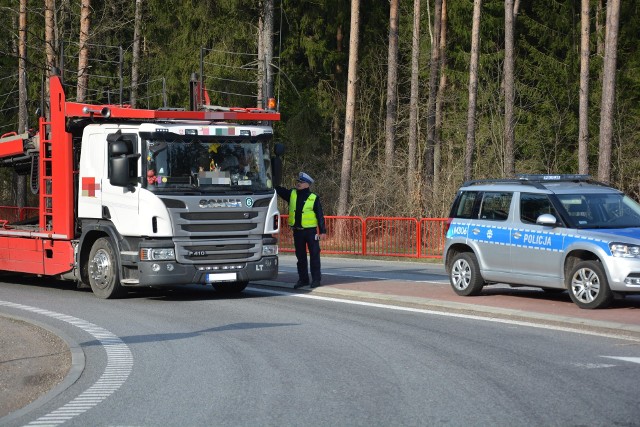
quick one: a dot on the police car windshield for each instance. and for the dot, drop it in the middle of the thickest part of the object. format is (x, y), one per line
(600, 210)
(208, 166)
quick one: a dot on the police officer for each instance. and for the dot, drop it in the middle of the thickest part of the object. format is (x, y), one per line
(305, 218)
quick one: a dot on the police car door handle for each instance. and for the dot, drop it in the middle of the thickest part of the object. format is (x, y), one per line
(476, 231)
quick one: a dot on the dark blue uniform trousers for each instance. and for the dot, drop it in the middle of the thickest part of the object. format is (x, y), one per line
(302, 239)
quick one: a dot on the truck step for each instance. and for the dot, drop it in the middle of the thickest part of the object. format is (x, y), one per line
(129, 282)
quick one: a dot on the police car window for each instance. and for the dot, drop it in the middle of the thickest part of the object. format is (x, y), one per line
(495, 206)
(534, 205)
(464, 208)
(601, 210)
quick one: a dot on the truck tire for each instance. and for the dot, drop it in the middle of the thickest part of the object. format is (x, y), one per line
(464, 276)
(230, 287)
(588, 285)
(103, 270)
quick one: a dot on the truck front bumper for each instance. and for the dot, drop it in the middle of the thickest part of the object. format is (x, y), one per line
(171, 273)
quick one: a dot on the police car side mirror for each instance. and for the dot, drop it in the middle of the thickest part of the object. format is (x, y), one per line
(547, 220)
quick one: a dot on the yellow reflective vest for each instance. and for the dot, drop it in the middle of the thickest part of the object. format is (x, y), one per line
(309, 219)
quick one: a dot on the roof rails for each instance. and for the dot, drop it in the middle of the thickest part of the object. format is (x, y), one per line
(536, 180)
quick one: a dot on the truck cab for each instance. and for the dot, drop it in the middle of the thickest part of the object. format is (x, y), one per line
(151, 198)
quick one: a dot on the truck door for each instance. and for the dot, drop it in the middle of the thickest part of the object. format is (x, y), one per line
(120, 184)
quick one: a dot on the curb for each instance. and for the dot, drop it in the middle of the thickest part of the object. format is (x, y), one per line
(76, 369)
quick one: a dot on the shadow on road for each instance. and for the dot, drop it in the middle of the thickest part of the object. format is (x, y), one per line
(173, 336)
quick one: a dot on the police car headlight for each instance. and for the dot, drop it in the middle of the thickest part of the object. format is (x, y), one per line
(157, 254)
(624, 250)
(269, 250)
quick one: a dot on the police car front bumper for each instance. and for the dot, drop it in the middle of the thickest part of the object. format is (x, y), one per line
(624, 274)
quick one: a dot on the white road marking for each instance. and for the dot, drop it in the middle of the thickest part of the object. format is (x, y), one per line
(593, 365)
(447, 314)
(326, 273)
(625, 359)
(119, 365)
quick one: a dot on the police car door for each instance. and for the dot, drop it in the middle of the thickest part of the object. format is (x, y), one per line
(536, 254)
(490, 233)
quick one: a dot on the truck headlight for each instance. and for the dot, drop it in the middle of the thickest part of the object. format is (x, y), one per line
(269, 250)
(157, 254)
(624, 250)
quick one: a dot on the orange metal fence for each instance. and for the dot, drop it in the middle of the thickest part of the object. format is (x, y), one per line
(376, 236)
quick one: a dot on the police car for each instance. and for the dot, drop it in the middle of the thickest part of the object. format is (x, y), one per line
(556, 232)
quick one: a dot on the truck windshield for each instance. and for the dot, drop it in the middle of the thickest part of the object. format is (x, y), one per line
(207, 165)
(601, 210)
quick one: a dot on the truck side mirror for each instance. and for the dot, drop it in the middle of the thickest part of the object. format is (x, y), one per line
(123, 162)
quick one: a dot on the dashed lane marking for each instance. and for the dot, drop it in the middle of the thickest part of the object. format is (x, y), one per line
(119, 366)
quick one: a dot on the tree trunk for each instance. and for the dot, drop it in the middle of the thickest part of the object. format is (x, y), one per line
(392, 91)
(412, 169)
(261, 74)
(83, 55)
(267, 40)
(337, 99)
(434, 66)
(437, 155)
(509, 90)
(49, 33)
(599, 29)
(21, 180)
(473, 90)
(349, 122)
(137, 25)
(608, 90)
(583, 130)
(51, 44)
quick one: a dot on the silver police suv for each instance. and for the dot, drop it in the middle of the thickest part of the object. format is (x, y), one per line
(555, 232)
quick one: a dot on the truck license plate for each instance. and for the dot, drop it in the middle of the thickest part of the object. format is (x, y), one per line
(222, 277)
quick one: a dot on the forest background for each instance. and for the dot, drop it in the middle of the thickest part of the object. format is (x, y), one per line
(408, 150)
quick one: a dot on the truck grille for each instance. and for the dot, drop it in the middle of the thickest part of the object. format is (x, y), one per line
(218, 234)
(198, 252)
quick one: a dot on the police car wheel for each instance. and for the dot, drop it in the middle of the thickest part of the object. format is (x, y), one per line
(230, 287)
(465, 276)
(588, 285)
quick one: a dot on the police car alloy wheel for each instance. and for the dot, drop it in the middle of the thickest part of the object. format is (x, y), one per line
(465, 275)
(588, 287)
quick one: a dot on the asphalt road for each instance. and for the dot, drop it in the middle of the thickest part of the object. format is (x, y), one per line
(192, 358)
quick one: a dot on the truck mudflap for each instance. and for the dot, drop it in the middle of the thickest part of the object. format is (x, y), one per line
(171, 273)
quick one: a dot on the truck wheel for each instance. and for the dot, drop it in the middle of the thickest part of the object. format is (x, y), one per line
(588, 285)
(465, 276)
(230, 288)
(103, 270)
